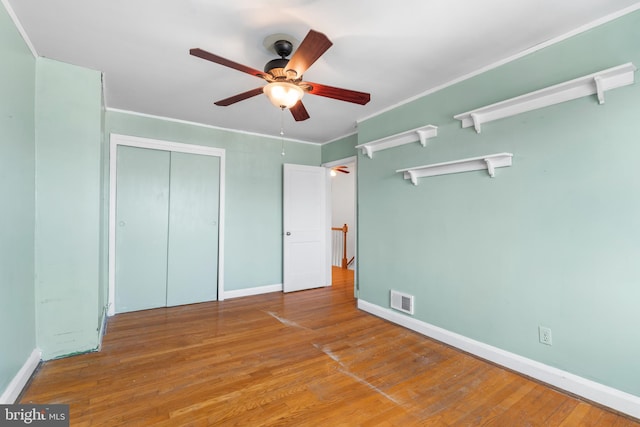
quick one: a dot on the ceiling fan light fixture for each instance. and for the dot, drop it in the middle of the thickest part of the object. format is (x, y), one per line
(283, 94)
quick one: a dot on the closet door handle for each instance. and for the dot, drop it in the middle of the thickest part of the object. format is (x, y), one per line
(288, 233)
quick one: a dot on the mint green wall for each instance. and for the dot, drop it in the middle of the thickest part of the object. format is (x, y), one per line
(553, 240)
(340, 149)
(17, 164)
(68, 191)
(253, 229)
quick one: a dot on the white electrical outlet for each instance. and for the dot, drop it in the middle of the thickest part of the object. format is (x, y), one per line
(544, 334)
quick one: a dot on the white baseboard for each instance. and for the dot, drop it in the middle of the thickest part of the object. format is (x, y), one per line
(13, 390)
(253, 291)
(599, 393)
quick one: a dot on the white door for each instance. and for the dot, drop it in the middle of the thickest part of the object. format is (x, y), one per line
(307, 231)
(167, 209)
(192, 266)
(142, 212)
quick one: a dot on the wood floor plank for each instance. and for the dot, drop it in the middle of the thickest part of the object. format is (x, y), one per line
(308, 358)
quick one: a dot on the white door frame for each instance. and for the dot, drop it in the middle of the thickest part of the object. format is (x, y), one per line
(352, 159)
(155, 144)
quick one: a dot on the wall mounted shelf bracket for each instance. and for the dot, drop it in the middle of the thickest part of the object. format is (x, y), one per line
(421, 134)
(596, 83)
(489, 162)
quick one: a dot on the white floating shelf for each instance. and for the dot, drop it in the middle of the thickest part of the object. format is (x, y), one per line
(596, 83)
(489, 162)
(420, 134)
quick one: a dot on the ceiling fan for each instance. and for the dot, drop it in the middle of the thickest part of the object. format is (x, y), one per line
(342, 168)
(285, 87)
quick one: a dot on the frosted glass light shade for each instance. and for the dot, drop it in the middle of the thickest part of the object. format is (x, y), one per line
(283, 94)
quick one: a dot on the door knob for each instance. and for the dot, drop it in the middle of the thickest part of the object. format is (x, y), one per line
(288, 233)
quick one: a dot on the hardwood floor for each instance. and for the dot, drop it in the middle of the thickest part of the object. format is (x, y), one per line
(304, 359)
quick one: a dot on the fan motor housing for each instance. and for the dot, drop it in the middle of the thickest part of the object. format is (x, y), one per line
(284, 49)
(275, 63)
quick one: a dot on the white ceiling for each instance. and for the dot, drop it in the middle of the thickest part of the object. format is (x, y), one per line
(394, 50)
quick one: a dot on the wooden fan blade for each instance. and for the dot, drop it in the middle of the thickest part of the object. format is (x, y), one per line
(343, 171)
(311, 48)
(299, 112)
(226, 62)
(239, 97)
(347, 95)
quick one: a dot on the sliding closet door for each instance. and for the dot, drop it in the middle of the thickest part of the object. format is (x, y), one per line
(142, 207)
(192, 274)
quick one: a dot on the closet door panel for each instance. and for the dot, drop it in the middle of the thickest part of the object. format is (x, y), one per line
(192, 273)
(142, 207)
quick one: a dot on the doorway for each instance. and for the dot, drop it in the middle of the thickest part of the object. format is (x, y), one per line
(343, 198)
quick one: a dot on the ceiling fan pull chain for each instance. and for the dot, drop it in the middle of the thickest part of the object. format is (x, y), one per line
(282, 129)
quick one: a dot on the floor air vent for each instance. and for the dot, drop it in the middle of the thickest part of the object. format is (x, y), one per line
(402, 302)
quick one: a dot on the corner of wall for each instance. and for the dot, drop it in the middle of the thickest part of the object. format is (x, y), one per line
(17, 384)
